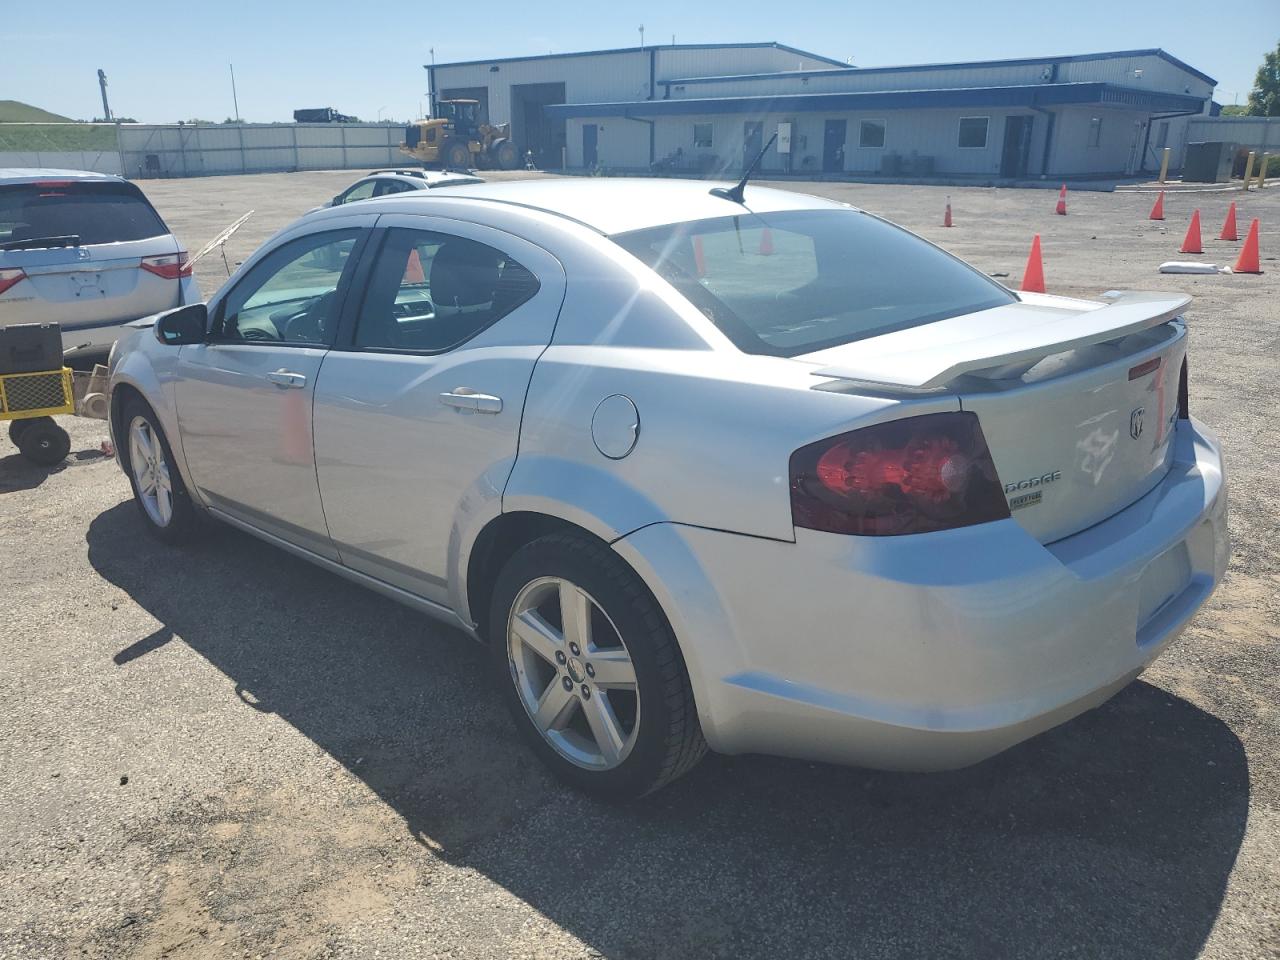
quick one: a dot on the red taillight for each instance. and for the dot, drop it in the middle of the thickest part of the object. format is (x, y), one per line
(9, 277)
(906, 476)
(171, 266)
(1184, 402)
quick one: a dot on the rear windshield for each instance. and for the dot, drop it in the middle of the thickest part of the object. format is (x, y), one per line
(790, 283)
(94, 212)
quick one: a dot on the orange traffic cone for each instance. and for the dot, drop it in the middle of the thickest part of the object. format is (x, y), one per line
(413, 268)
(1033, 276)
(1191, 242)
(1249, 259)
(699, 259)
(766, 242)
(946, 217)
(1229, 231)
(1061, 208)
(1157, 212)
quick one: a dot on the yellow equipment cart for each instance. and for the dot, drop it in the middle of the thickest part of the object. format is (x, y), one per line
(35, 387)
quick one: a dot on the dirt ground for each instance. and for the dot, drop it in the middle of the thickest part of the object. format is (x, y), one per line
(222, 751)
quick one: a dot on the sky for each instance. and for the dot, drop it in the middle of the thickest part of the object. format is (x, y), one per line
(366, 59)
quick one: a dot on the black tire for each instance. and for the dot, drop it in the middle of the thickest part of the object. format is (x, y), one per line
(505, 155)
(16, 427)
(668, 740)
(455, 155)
(44, 442)
(184, 523)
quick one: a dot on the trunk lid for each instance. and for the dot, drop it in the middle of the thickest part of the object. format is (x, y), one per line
(1077, 400)
(88, 285)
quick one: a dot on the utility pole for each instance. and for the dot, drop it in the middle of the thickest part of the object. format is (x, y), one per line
(642, 36)
(431, 82)
(102, 84)
(234, 99)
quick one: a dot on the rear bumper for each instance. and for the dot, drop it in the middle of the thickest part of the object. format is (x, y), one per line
(938, 650)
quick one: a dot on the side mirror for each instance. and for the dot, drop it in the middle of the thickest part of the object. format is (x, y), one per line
(184, 325)
(336, 201)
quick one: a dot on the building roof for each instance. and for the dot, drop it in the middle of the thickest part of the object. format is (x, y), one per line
(655, 46)
(959, 65)
(1024, 95)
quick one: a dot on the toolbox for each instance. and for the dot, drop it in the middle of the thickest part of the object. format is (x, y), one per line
(34, 388)
(30, 348)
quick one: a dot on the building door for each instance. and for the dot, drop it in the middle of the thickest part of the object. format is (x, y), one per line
(834, 135)
(590, 140)
(1017, 146)
(531, 128)
(752, 141)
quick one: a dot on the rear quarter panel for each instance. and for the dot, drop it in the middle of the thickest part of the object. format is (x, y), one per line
(717, 426)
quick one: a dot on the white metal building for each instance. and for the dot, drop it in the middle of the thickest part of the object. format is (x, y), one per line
(711, 107)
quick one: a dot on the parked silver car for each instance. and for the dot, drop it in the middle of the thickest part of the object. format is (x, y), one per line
(384, 183)
(87, 251)
(765, 476)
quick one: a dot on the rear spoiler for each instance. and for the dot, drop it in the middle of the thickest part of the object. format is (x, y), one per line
(1021, 333)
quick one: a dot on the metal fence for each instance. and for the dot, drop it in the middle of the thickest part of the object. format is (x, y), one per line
(195, 150)
(102, 161)
(1253, 133)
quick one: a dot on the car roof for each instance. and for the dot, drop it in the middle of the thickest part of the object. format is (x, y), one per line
(33, 174)
(618, 205)
(428, 178)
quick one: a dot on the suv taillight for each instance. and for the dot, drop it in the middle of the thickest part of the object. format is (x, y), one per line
(9, 277)
(171, 266)
(1184, 402)
(926, 473)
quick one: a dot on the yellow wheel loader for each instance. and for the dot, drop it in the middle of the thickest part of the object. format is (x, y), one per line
(457, 140)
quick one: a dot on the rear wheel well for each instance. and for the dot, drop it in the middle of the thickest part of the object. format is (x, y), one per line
(496, 544)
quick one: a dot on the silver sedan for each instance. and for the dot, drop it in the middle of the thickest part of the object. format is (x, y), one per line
(758, 473)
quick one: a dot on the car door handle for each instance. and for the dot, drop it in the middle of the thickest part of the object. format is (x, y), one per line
(466, 399)
(287, 379)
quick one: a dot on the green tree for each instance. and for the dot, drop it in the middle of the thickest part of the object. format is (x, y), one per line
(1264, 101)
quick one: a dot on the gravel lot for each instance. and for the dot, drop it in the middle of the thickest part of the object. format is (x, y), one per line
(222, 751)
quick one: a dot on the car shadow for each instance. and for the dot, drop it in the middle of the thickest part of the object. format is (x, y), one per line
(1112, 836)
(18, 473)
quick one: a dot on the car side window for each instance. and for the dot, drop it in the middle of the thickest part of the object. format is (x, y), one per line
(429, 292)
(290, 295)
(387, 187)
(361, 191)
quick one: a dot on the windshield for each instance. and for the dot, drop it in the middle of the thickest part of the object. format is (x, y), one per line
(95, 212)
(795, 282)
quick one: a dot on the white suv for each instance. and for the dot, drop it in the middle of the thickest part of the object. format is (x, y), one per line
(87, 251)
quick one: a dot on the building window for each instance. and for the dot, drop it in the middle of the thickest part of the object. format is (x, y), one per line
(702, 136)
(1095, 131)
(973, 132)
(871, 133)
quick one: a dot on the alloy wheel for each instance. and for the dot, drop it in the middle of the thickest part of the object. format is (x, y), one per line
(150, 472)
(573, 673)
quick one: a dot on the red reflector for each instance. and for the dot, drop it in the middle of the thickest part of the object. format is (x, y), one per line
(171, 266)
(1142, 369)
(9, 277)
(906, 476)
